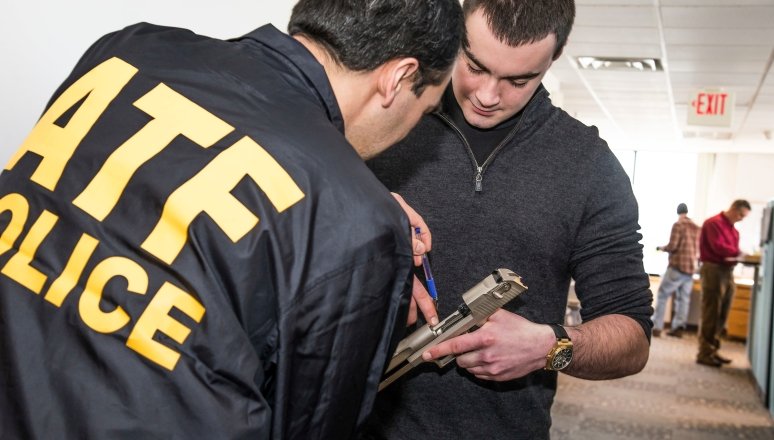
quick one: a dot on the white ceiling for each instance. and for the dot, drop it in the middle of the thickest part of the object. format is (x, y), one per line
(726, 44)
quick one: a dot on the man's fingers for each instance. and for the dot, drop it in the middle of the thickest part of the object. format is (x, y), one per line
(455, 346)
(416, 221)
(412, 314)
(425, 302)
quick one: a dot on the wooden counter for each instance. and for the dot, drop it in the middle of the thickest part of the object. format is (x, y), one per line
(739, 315)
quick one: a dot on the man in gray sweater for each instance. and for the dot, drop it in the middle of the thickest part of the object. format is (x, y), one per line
(506, 179)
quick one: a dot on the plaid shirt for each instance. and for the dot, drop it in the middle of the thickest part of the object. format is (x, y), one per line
(683, 245)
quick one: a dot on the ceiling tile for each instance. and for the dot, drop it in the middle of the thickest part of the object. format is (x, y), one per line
(729, 54)
(722, 17)
(635, 50)
(616, 16)
(721, 37)
(709, 79)
(621, 35)
(716, 66)
(705, 3)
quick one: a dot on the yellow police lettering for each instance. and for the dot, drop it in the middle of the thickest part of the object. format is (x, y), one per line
(56, 144)
(156, 318)
(67, 280)
(19, 268)
(20, 208)
(88, 306)
(174, 115)
(209, 192)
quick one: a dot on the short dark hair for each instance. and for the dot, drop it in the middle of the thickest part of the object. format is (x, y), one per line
(741, 203)
(518, 22)
(361, 35)
(682, 208)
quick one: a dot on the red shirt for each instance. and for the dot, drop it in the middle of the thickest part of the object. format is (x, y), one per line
(719, 240)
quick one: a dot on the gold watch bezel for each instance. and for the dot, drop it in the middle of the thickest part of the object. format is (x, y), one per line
(563, 346)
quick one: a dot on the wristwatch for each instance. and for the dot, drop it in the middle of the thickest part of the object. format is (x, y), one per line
(560, 355)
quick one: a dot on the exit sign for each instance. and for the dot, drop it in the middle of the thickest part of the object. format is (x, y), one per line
(711, 107)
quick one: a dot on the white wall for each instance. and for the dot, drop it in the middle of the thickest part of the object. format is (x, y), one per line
(41, 40)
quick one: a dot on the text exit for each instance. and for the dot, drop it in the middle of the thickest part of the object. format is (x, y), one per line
(711, 107)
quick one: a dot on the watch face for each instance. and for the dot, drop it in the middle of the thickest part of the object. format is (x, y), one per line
(561, 359)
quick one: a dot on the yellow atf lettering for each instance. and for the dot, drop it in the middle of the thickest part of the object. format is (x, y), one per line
(55, 144)
(174, 115)
(18, 268)
(64, 284)
(20, 209)
(88, 306)
(210, 192)
(156, 318)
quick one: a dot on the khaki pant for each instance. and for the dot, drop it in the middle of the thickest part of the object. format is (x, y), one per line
(717, 290)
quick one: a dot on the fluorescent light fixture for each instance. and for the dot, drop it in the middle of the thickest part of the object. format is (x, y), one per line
(708, 134)
(633, 64)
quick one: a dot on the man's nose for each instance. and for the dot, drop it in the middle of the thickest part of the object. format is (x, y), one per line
(487, 93)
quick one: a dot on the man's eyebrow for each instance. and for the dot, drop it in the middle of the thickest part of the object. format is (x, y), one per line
(481, 66)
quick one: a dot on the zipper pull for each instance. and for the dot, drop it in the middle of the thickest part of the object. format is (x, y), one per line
(479, 178)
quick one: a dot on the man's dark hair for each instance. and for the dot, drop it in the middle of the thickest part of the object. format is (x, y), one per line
(682, 208)
(519, 22)
(741, 203)
(361, 35)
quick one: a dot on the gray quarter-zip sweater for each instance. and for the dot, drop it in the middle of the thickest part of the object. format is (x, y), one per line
(552, 203)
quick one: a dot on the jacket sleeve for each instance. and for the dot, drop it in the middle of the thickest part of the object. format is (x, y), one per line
(337, 338)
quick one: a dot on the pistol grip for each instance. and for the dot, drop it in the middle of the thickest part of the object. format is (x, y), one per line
(445, 361)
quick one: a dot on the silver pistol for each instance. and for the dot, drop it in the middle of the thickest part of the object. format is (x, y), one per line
(479, 303)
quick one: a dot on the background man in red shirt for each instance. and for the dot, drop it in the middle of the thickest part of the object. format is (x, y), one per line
(718, 252)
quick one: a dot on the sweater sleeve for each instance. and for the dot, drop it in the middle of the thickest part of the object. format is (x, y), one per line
(606, 262)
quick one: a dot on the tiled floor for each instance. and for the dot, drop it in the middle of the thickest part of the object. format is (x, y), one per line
(673, 398)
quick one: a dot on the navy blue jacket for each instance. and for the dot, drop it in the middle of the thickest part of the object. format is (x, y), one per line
(191, 249)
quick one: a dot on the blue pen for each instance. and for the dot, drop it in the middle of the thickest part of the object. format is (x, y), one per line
(428, 271)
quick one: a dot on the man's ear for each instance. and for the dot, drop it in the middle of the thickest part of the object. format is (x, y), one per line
(391, 76)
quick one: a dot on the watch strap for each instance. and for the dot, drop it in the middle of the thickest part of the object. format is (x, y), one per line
(560, 332)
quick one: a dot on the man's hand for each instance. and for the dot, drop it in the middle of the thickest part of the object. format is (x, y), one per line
(419, 295)
(506, 347)
(424, 242)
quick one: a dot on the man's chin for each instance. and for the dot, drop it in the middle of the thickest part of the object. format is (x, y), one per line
(482, 122)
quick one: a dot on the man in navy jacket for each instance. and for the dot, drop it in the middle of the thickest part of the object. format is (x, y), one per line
(191, 245)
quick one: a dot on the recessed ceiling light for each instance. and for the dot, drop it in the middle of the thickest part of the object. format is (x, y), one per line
(609, 63)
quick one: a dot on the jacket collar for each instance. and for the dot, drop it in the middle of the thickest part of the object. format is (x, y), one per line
(305, 62)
